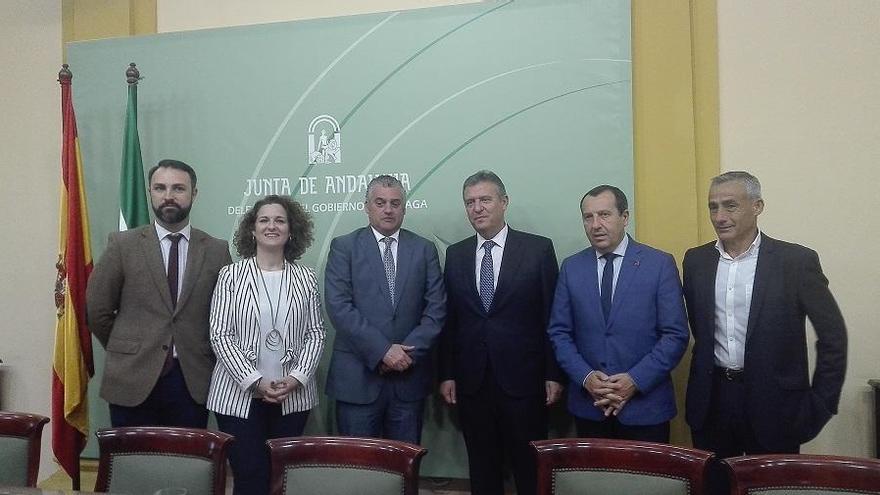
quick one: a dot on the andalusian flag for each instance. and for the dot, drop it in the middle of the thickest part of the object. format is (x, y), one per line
(133, 208)
(72, 363)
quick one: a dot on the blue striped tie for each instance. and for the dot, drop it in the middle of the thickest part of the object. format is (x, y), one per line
(487, 276)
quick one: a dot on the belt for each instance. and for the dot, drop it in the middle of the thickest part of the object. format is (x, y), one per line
(729, 374)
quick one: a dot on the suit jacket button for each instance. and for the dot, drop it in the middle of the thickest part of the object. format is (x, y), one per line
(164, 347)
(602, 365)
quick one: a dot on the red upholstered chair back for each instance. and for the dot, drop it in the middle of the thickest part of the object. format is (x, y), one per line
(626, 466)
(20, 435)
(335, 463)
(789, 472)
(146, 459)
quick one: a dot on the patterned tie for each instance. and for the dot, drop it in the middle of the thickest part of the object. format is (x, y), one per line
(173, 272)
(388, 260)
(487, 276)
(607, 283)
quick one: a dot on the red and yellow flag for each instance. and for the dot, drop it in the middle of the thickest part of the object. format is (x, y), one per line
(72, 363)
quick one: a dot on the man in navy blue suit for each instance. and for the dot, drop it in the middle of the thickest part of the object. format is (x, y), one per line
(497, 364)
(618, 327)
(384, 295)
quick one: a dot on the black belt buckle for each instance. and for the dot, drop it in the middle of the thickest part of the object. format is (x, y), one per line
(729, 374)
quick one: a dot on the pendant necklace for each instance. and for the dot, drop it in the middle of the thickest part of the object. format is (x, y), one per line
(273, 339)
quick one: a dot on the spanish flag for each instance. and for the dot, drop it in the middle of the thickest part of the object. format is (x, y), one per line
(72, 363)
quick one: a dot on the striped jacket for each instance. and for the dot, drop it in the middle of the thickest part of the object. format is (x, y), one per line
(235, 334)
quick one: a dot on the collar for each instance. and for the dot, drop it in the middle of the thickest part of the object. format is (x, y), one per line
(379, 236)
(620, 250)
(752, 248)
(162, 231)
(500, 238)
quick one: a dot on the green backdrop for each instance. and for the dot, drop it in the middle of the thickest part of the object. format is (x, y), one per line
(537, 90)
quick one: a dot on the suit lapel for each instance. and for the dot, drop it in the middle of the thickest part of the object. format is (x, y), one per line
(510, 261)
(763, 273)
(629, 266)
(195, 257)
(152, 253)
(705, 284)
(405, 250)
(468, 266)
(590, 274)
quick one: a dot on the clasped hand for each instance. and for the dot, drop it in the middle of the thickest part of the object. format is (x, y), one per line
(397, 358)
(610, 393)
(275, 391)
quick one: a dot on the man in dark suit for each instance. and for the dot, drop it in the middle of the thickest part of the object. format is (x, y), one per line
(618, 327)
(148, 301)
(497, 365)
(384, 295)
(748, 296)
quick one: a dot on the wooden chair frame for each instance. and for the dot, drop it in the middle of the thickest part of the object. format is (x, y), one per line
(29, 426)
(386, 455)
(622, 455)
(802, 471)
(209, 445)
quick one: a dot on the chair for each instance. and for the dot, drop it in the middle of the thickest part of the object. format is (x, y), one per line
(20, 435)
(146, 459)
(790, 474)
(588, 466)
(344, 466)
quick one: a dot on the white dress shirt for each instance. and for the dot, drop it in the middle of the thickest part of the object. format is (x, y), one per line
(379, 236)
(182, 250)
(500, 240)
(734, 281)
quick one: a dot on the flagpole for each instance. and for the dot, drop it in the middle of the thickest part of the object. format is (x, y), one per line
(64, 77)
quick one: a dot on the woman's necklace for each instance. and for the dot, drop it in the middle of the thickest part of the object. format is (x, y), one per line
(273, 339)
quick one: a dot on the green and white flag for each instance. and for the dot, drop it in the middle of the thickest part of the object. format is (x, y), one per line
(133, 208)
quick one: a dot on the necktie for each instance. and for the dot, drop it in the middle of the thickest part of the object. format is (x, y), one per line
(173, 271)
(487, 276)
(607, 283)
(173, 266)
(388, 260)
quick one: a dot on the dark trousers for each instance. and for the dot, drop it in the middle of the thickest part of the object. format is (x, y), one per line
(248, 454)
(612, 428)
(169, 404)
(497, 426)
(386, 417)
(727, 431)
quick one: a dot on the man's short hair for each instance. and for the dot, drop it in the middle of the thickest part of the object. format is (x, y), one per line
(176, 165)
(619, 198)
(485, 176)
(752, 184)
(384, 181)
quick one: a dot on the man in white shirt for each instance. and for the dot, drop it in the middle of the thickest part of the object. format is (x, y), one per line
(748, 297)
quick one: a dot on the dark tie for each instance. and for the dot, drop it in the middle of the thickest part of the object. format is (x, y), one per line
(487, 276)
(173, 266)
(388, 261)
(607, 283)
(173, 273)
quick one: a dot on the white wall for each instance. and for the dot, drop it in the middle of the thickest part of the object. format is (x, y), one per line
(30, 150)
(175, 15)
(800, 108)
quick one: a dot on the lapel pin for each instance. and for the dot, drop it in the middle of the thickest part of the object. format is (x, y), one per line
(636, 263)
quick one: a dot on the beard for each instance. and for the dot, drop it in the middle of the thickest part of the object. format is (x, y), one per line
(171, 213)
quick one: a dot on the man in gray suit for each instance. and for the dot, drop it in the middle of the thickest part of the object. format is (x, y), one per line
(148, 301)
(384, 295)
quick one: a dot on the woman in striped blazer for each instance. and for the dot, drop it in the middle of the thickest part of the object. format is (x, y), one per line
(268, 334)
